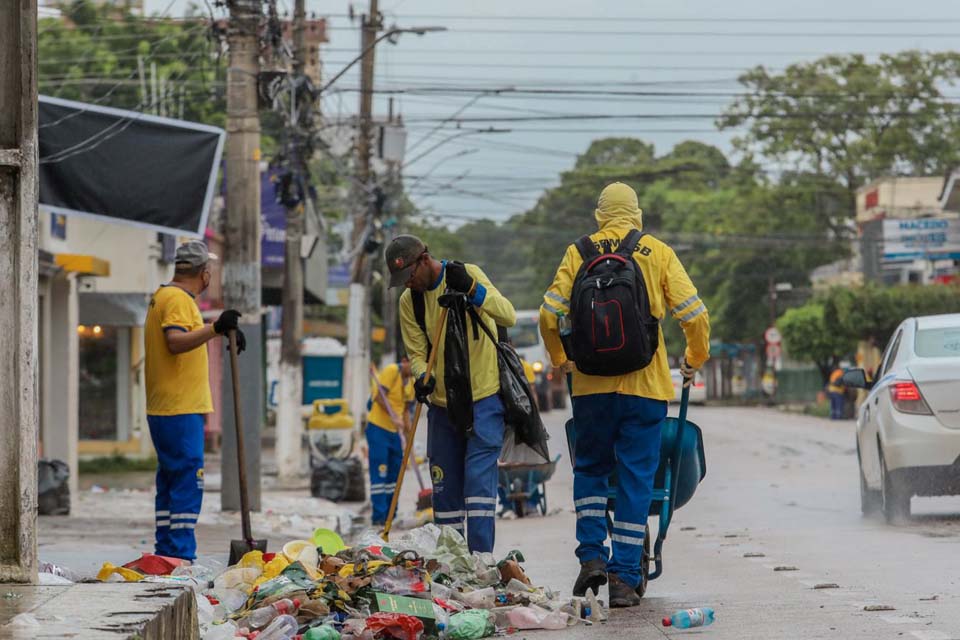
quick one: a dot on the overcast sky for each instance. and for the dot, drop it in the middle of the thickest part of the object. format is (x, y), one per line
(684, 46)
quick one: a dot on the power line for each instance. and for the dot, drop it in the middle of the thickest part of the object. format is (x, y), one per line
(695, 34)
(646, 19)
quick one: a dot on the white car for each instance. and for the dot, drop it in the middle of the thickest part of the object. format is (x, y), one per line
(698, 390)
(908, 428)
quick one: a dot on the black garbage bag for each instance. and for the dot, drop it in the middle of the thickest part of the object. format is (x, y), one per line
(338, 480)
(456, 363)
(53, 488)
(520, 411)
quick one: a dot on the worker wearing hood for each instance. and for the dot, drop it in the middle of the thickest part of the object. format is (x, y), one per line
(618, 418)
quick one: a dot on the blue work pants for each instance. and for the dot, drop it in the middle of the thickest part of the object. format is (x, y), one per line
(615, 432)
(179, 444)
(464, 471)
(385, 456)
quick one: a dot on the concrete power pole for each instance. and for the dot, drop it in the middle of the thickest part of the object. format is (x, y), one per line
(289, 420)
(358, 311)
(18, 295)
(241, 269)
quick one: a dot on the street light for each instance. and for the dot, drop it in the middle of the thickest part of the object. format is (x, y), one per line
(391, 35)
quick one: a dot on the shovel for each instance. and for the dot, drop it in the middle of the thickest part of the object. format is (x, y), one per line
(239, 548)
(431, 359)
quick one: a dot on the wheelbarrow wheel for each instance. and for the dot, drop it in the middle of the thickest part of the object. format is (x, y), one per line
(543, 499)
(520, 507)
(644, 563)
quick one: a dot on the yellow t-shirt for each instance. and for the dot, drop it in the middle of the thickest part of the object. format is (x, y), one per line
(176, 384)
(528, 371)
(398, 395)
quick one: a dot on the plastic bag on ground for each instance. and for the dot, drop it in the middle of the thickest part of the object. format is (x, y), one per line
(323, 632)
(470, 625)
(399, 581)
(534, 617)
(51, 580)
(225, 631)
(241, 578)
(62, 572)
(108, 570)
(398, 626)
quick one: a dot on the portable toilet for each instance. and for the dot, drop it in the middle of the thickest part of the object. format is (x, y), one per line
(322, 369)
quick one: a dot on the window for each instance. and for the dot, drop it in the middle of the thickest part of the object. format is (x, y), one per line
(526, 333)
(104, 382)
(891, 354)
(938, 343)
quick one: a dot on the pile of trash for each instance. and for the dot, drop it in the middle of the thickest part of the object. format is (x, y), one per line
(423, 584)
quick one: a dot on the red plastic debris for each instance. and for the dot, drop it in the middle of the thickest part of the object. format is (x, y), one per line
(154, 565)
(398, 626)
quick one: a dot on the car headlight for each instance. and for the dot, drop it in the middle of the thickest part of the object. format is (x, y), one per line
(537, 366)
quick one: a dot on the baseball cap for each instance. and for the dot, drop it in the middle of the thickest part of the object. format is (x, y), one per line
(401, 255)
(194, 253)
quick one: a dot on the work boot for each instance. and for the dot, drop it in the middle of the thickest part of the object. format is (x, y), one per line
(593, 574)
(622, 594)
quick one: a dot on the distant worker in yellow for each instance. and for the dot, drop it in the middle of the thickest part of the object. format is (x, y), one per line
(390, 395)
(178, 395)
(603, 313)
(836, 391)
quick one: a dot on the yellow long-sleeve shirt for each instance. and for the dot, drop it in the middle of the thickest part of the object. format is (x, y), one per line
(668, 287)
(495, 310)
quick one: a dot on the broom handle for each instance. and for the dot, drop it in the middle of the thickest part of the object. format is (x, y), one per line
(413, 430)
(238, 423)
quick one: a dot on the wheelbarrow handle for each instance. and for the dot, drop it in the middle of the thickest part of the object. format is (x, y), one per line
(677, 455)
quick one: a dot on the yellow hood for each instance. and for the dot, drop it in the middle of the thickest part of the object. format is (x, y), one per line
(618, 207)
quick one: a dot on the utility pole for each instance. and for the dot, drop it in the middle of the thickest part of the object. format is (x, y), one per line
(241, 268)
(18, 295)
(394, 191)
(289, 420)
(358, 311)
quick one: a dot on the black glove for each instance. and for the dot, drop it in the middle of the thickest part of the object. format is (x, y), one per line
(241, 342)
(423, 388)
(227, 320)
(458, 279)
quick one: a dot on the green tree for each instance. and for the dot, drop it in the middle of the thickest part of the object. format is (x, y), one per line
(807, 336)
(846, 120)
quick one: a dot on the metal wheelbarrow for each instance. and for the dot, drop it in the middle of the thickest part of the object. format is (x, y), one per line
(682, 466)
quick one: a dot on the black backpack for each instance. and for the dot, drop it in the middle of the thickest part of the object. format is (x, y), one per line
(613, 331)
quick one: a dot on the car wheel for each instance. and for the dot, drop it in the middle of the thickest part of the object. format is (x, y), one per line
(894, 496)
(870, 499)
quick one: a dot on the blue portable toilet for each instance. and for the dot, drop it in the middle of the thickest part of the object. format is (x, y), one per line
(322, 369)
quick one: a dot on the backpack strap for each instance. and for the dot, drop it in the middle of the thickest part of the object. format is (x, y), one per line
(588, 250)
(630, 243)
(420, 313)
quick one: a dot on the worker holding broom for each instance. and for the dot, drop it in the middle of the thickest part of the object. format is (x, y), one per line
(463, 469)
(391, 390)
(178, 395)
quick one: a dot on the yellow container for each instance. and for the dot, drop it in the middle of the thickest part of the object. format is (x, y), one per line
(331, 414)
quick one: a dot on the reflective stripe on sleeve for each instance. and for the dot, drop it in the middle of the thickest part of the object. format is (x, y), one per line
(683, 305)
(693, 314)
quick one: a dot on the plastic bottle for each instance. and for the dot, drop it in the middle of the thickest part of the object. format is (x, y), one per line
(686, 618)
(282, 628)
(262, 616)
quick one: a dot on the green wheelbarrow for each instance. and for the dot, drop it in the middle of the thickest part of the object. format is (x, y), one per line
(682, 466)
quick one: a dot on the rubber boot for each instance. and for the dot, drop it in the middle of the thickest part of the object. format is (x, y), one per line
(622, 594)
(593, 575)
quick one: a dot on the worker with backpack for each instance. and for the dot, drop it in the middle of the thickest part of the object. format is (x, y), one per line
(463, 452)
(602, 314)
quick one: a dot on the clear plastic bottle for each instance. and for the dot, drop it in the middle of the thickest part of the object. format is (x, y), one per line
(261, 617)
(282, 628)
(687, 618)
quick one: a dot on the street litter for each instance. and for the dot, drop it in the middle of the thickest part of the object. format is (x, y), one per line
(785, 568)
(879, 607)
(826, 585)
(687, 618)
(424, 583)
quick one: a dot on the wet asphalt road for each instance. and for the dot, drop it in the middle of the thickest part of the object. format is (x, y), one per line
(784, 486)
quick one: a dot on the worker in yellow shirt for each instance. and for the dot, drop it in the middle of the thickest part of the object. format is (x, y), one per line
(602, 313)
(178, 395)
(835, 391)
(389, 395)
(463, 469)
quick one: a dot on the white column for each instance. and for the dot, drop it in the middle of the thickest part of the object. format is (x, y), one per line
(357, 370)
(62, 424)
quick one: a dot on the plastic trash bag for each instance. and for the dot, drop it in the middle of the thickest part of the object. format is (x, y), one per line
(456, 363)
(53, 488)
(395, 625)
(470, 625)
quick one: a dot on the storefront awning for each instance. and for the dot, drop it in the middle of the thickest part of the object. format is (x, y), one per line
(113, 309)
(82, 265)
